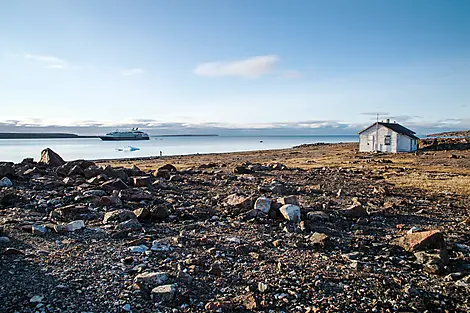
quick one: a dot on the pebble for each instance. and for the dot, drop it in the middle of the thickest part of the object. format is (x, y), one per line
(138, 249)
(4, 239)
(5, 182)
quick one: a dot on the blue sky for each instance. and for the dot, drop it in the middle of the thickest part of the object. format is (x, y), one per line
(176, 66)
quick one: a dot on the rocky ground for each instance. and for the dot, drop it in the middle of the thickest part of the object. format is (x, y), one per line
(318, 228)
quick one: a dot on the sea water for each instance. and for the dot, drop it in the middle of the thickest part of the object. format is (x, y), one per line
(94, 148)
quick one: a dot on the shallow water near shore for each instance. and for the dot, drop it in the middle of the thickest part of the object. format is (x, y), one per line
(16, 150)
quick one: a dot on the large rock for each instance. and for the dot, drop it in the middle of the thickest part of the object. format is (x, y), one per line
(288, 200)
(355, 210)
(159, 212)
(168, 167)
(70, 212)
(114, 184)
(165, 293)
(92, 171)
(76, 170)
(49, 157)
(151, 278)
(238, 201)
(423, 240)
(433, 261)
(290, 212)
(263, 204)
(116, 173)
(162, 174)
(118, 216)
(142, 181)
(6, 169)
(130, 224)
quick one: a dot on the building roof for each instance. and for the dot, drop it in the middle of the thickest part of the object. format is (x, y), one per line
(396, 128)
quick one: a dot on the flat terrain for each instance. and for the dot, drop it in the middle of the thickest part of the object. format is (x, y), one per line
(435, 171)
(337, 231)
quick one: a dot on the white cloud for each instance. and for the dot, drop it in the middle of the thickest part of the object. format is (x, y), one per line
(132, 71)
(291, 74)
(48, 61)
(251, 68)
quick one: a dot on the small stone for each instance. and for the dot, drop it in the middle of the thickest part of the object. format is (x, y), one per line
(4, 239)
(184, 277)
(157, 246)
(118, 216)
(13, 251)
(290, 212)
(142, 213)
(5, 182)
(38, 229)
(414, 230)
(130, 224)
(126, 307)
(262, 287)
(288, 200)
(60, 229)
(138, 249)
(216, 269)
(75, 225)
(96, 193)
(319, 239)
(36, 299)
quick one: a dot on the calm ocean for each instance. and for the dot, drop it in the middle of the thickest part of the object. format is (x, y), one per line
(94, 148)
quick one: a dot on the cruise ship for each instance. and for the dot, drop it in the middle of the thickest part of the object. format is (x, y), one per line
(133, 134)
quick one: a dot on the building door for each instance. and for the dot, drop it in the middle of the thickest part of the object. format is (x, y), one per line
(371, 142)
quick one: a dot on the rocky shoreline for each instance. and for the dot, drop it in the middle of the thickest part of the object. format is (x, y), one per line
(230, 235)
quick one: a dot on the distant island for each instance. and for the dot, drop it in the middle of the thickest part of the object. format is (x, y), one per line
(41, 136)
(73, 136)
(187, 135)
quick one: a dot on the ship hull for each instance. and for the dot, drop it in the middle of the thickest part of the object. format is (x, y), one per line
(104, 138)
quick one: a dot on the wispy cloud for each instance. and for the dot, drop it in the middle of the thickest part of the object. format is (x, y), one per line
(291, 74)
(132, 71)
(250, 68)
(173, 127)
(48, 61)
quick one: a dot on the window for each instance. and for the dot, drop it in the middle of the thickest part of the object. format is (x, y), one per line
(388, 140)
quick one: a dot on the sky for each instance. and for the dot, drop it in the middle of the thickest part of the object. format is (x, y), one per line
(266, 66)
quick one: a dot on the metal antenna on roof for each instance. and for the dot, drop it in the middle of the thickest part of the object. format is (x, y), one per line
(376, 146)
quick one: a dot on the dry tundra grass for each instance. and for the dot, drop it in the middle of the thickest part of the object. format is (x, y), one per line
(433, 171)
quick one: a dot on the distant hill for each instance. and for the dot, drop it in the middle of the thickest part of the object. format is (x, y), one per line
(40, 136)
(460, 133)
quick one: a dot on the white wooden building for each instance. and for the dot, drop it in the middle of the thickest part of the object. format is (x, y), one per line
(387, 137)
